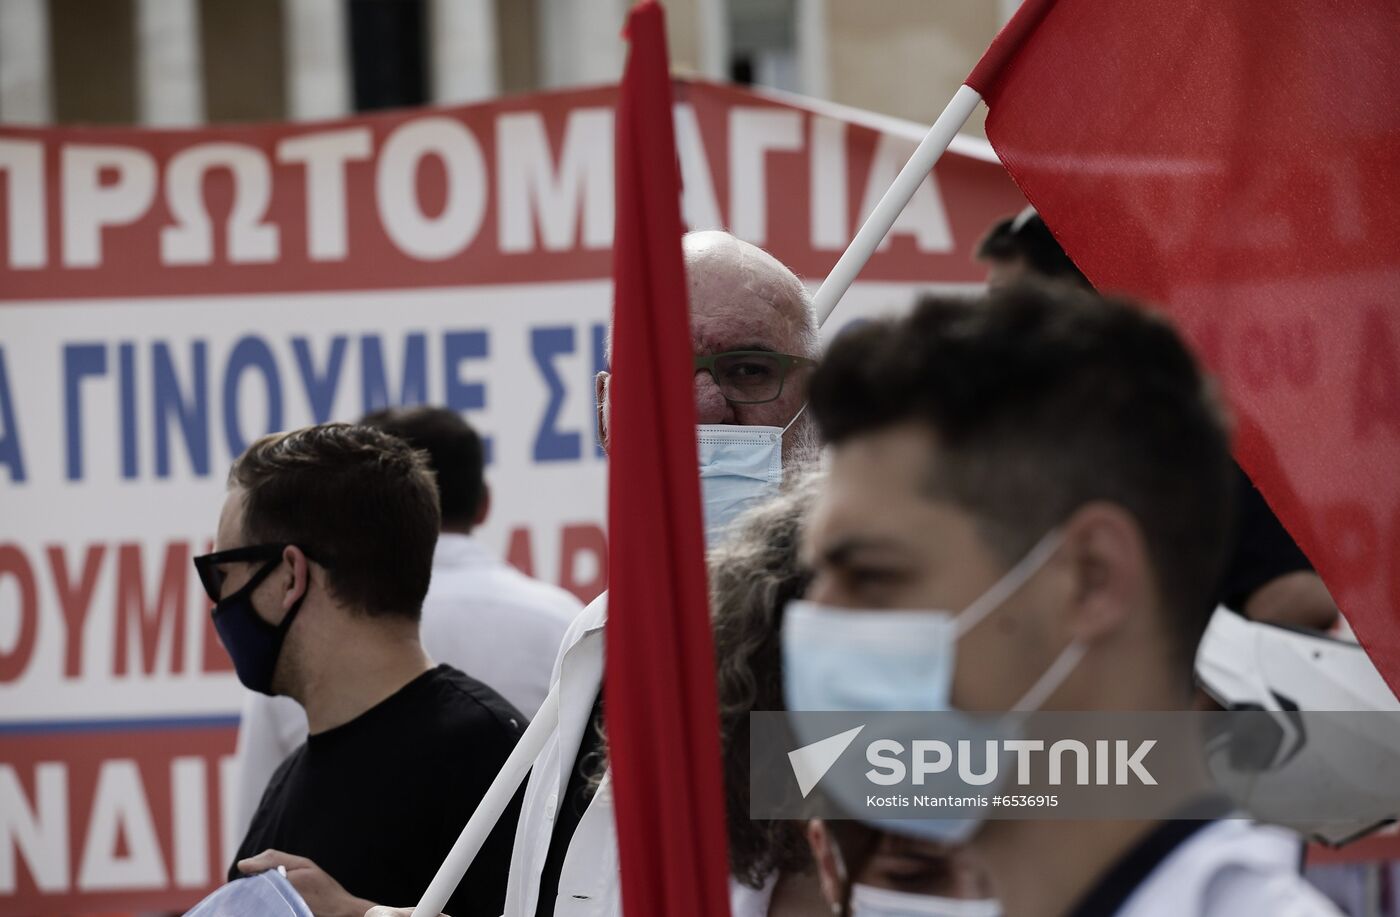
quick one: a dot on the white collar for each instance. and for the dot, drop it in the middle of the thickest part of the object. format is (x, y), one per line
(454, 551)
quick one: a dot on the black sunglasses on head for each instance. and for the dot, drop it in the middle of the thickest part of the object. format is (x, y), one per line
(211, 574)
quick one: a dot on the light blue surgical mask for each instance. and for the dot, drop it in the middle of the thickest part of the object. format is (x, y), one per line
(740, 467)
(267, 894)
(896, 660)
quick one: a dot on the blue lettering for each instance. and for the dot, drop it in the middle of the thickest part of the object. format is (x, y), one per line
(552, 444)
(10, 453)
(193, 414)
(79, 360)
(320, 389)
(126, 362)
(413, 388)
(250, 352)
(457, 348)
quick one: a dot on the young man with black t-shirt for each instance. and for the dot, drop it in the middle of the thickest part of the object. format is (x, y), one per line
(325, 548)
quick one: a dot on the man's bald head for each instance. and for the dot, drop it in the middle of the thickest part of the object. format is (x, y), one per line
(727, 276)
(734, 280)
(742, 298)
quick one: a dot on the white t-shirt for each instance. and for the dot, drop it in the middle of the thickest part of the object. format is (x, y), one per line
(481, 616)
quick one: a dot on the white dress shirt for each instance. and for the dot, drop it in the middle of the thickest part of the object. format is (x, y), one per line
(481, 616)
(1233, 868)
(588, 883)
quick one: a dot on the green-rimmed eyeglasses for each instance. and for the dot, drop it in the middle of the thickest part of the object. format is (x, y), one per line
(750, 376)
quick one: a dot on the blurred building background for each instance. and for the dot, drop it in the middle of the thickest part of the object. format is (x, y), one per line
(188, 62)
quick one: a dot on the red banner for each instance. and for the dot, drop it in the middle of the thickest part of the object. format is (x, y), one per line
(167, 296)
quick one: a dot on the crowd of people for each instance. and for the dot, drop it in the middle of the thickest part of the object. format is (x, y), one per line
(1026, 498)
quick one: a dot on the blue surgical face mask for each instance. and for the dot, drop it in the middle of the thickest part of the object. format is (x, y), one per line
(852, 660)
(253, 644)
(740, 467)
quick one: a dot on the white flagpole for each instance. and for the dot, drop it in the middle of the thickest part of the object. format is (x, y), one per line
(503, 788)
(488, 811)
(895, 200)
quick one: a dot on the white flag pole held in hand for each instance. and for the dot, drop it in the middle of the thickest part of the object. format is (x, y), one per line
(489, 810)
(837, 283)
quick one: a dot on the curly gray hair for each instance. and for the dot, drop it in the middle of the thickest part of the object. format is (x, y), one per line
(754, 573)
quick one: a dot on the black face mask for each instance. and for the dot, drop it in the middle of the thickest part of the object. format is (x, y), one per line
(252, 643)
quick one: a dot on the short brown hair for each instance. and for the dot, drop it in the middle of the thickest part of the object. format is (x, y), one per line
(362, 503)
(1043, 399)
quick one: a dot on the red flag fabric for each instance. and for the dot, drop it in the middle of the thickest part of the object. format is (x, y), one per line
(660, 702)
(1239, 163)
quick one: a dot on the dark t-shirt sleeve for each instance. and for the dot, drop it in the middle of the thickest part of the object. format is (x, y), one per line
(378, 802)
(260, 831)
(1263, 549)
(483, 889)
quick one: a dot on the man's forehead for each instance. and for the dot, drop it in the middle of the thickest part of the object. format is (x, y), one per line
(876, 487)
(231, 514)
(760, 327)
(740, 297)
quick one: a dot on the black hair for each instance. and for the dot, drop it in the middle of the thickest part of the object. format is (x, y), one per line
(1041, 399)
(1025, 236)
(454, 452)
(357, 500)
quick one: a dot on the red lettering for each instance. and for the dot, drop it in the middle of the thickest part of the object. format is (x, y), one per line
(1392, 560)
(16, 660)
(1376, 397)
(213, 658)
(1255, 356)
(576, 540)
(168, 610)
(1351, 530)
(1298, 354)
(75, 603)
(519, 553)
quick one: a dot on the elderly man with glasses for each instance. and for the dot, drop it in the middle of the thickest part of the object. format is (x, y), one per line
(754, 337)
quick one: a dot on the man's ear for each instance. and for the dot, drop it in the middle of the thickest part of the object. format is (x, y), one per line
(1112, 574)
(824, 855)
(297, 578)
(600, 396)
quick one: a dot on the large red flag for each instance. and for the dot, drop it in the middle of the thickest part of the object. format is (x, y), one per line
(1239, 163)
(661, 709)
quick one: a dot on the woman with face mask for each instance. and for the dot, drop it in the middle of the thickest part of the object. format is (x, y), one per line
(869, 873)
(754, 572)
